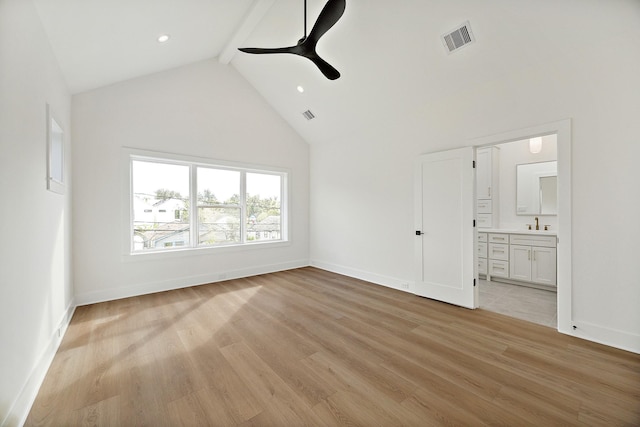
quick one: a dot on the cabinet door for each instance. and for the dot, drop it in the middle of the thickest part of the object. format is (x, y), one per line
(543, 265)
(520, 262)
(483, 173)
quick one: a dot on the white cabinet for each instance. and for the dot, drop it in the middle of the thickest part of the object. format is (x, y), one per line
(482, 248)
(484, 206)
(520, 266)
(484, 172)
(517, 258)
(543, 265)
(493, 255)
(533, 259)
(498, 255)
(487, 194)
(498, 268)
(485, 220)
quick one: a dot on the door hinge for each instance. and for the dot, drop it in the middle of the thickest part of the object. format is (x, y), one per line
(474, 222)
(474, 283)
(474, 164)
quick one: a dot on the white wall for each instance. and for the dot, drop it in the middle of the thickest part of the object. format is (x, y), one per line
(35, 273)
(362, 199)
(205, 110)
(512, 154)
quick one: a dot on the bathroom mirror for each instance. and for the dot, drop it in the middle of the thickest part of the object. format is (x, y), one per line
(537, 188)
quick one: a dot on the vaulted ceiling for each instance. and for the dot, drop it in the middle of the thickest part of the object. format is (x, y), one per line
(395, 68)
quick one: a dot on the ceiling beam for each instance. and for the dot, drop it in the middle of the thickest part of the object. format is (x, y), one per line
(253, 18)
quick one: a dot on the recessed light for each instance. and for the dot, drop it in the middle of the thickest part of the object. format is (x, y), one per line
(163, 38)
(300, 89)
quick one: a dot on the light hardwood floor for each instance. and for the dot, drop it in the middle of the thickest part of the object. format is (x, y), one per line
(308, 347)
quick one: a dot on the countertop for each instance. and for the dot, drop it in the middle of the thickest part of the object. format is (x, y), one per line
(517, 231)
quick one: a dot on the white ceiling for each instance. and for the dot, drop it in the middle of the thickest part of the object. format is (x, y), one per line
(100, 42)
(395, 70)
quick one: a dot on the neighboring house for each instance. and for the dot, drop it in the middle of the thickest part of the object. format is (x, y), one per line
(267, 229)
(148, 210)
(158, 223)
(176, 234)
(220, 229)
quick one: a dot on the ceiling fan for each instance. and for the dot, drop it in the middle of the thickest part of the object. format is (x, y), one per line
(330, 14)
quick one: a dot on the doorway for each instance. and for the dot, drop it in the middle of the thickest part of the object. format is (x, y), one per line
(517, 193)
(459, 291)
(532, 302)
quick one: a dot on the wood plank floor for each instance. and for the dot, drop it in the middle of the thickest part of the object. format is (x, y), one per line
(308, 347)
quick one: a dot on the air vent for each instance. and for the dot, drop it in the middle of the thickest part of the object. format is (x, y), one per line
(308, 115)
(458, 38)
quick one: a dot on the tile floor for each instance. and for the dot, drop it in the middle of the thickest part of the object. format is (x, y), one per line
(535, 305)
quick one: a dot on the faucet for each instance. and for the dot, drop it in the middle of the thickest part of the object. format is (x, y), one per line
(537, 224)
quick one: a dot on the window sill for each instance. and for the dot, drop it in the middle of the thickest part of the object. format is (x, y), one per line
(201, 251)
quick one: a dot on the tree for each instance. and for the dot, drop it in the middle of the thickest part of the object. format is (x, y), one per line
(262, 208)
(164, 194)
(207, 197)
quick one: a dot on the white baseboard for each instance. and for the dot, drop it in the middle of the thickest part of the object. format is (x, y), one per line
(378, 279)
(183, 282)
(612, 337)
(19, 411)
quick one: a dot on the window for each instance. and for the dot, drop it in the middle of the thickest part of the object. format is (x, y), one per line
(55, 154)
(177, 204)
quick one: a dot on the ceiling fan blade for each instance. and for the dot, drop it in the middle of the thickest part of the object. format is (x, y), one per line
(306, 47)
(330, 14)
(326, 68)
(259, 50)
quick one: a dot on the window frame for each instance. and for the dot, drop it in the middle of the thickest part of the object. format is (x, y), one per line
(129, 155)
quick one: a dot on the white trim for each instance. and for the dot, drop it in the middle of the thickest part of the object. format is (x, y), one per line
(24, 401)
(564, 140)
(378, 279)
(185, 252)
(183, 282)
(612, 337)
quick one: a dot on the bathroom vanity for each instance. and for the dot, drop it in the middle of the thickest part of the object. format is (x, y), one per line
(518, 256)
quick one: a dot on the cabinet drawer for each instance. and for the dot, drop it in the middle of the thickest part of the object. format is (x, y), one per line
(482, 266)
(532, 240)
(498, 268)
(498, 238)
(484, 206)
(482, 237)
(482, 250)
(485, 220)
(499, 251)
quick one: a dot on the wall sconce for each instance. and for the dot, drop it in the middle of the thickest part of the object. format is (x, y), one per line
(535, 145)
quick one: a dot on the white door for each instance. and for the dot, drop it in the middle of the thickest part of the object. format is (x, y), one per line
(444, 227)
(520, 262)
